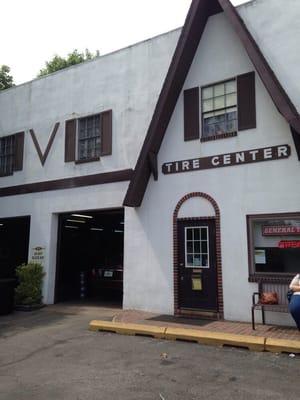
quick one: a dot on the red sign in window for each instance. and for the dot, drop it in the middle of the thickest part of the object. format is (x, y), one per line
(289, 244)
(280, 230)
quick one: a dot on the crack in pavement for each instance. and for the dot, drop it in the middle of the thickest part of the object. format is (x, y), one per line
(41, 349)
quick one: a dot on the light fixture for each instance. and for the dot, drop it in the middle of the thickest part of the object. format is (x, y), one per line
(76, 220)
(121, 223)
(97, 229)
(82, 216)
(118, 231)
(1, 224)
(71, 227)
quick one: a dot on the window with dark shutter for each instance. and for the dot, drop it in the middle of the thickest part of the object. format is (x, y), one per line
(19, 151)
(106, 133)
(228, 107)
(246, 101)
(7, 151)
(191, 114)
(70, 140)
(219, 110)
(88, 138)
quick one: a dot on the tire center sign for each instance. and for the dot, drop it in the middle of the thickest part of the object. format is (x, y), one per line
(227, 160)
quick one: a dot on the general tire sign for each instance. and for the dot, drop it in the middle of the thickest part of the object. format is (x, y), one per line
(227, 160)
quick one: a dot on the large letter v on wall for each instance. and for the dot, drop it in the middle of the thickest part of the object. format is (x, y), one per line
(43, 157)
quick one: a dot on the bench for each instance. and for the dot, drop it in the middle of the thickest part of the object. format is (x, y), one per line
(282, 306)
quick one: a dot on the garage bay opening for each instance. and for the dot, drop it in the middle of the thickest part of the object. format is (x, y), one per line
(14, 245)
(90, 256)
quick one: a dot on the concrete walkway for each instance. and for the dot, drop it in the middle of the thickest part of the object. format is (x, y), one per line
(217, 333)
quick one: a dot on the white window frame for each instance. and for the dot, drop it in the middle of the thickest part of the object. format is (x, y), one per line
(225, 108)
(185, 247)
(78, 139)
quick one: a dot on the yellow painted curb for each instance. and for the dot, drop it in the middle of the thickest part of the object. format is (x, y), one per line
(282, 346)
(254, 343)
(128, 329)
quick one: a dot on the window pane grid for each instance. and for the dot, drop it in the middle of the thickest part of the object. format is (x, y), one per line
(89, 137)
(219, 109)
(196, 240)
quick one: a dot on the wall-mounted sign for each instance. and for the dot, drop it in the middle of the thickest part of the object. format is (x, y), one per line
(260, 256)
(281, 230)
(38, 255)
(289, 244)
(227, 160)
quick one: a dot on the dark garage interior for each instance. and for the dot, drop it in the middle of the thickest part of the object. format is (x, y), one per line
(90, 256)
(14, 242)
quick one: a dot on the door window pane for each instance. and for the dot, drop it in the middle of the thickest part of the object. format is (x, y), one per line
(196, 247)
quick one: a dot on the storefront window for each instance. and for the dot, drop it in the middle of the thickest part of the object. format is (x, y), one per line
(274, 244)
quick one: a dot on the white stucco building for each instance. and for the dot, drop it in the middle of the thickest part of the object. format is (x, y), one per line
(170, 166)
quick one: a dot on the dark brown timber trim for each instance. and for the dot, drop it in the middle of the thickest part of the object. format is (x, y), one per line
(190, 37)
(267, 75)
(296, 138)
(186, 48)
(43, 157)
(68, 183)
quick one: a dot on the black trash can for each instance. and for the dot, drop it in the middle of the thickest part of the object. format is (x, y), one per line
(7, 293)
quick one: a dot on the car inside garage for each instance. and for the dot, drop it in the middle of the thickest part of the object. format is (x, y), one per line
(90, 256)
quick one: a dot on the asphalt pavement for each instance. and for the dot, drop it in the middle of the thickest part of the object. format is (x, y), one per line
(51, 355)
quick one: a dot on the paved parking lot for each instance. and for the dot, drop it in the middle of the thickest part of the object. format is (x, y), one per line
(50, 354)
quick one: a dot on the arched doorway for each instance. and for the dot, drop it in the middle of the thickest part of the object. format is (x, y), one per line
(197, 256)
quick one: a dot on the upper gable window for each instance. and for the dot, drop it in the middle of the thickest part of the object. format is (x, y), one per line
(219, 109)
(7, 149)
(89, 137)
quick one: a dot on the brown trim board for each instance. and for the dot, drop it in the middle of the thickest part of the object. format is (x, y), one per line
(190, 37)
(68, 183)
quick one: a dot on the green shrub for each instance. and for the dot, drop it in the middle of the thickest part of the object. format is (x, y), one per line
(29, 290)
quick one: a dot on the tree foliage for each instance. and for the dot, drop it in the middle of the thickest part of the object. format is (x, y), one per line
(57, 63)
(6, 80)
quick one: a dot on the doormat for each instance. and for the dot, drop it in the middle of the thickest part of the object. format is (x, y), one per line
(182, 320)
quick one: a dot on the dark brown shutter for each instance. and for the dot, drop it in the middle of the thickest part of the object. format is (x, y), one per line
(191, 114)
(19, 151)
(246, 101)
(70, 140)
(106, 133)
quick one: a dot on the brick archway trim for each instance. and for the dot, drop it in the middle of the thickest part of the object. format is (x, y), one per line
(218, 248)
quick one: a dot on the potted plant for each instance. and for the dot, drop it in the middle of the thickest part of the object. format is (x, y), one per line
(28, 294)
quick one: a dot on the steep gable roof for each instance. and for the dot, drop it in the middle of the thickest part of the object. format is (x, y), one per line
(191, 34)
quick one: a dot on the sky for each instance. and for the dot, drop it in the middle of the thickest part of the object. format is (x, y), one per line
(33, 31)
